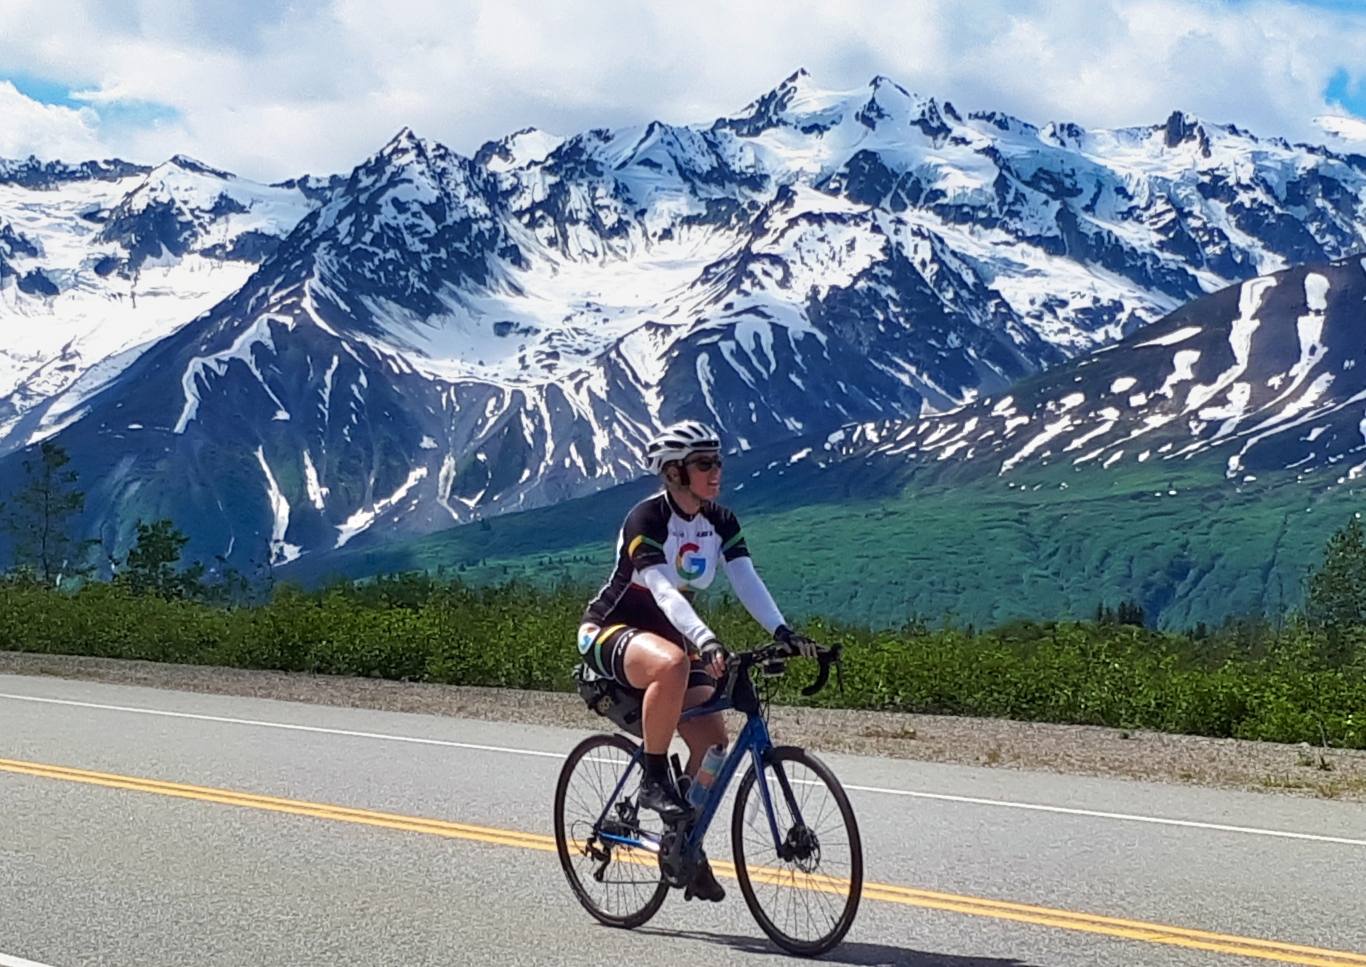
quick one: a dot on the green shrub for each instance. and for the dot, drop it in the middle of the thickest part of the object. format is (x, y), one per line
(1246, 680)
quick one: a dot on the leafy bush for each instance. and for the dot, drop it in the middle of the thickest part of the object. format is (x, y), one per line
(1248, 679)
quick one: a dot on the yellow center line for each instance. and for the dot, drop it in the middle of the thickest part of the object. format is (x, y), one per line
(885, 892)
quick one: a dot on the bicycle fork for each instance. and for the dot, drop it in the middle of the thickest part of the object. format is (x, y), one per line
(760, 748)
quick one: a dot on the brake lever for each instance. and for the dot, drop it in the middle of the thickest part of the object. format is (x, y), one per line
(822, 676)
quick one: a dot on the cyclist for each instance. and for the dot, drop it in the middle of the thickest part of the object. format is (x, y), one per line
(641, 629)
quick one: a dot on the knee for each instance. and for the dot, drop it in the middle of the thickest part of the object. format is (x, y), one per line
(675, 668)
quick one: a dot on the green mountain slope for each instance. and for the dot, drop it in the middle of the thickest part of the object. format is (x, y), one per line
(1183, 541)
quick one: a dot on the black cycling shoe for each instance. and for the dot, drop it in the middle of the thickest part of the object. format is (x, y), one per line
(665, 799)
(704, 885)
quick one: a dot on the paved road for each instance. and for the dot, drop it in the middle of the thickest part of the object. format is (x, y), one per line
(442, 859)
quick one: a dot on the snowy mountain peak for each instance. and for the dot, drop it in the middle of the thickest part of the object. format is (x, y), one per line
(799, 108)
(881, 81)
(99, 261)
(405, 146)
(1182, 127)
(187, 163)
(520, 149)
(796, 97)
(890, 102)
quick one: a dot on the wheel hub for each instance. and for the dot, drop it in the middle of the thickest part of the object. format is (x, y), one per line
(802, 848)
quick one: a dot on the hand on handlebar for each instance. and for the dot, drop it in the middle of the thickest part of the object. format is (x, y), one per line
(714, 656)
(797, 644)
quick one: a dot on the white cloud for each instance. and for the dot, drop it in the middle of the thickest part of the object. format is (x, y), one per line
(1345, 128)
(48, 130)
(319, 85)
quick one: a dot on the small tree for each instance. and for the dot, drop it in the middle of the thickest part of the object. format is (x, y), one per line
(1130, 613)
(1336, 598)
(151, 564)
(43, 516)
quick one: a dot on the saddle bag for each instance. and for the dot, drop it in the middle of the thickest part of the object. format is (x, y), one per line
(612, 701)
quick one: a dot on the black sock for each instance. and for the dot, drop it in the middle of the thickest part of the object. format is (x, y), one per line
(656, 766)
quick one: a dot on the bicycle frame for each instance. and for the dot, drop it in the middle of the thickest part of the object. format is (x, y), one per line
(752, 742)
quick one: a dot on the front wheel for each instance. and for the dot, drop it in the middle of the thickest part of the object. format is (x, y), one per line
(617, 882)
(803, 886)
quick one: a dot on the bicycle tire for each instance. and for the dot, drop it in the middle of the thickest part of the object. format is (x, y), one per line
(572, 855)
(783, 757)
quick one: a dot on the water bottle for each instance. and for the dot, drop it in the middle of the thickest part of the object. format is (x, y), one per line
(706, 775)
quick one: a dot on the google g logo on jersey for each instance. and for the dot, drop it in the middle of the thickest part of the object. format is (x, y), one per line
(690, 564)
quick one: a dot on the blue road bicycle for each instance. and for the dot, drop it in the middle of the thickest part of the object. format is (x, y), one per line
(794, 840)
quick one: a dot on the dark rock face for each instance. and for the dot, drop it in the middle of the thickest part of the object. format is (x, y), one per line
(250, 246)
(32, 173)
(37, 283)
(1180, 129)
(15, 244)
(156, 229)
(315, 189)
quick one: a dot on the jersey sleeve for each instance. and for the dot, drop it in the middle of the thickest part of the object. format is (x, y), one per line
(644, 533)
(676, 608)
(728, 530)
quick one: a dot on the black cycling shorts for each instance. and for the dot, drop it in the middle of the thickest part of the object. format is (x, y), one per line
(604, 651)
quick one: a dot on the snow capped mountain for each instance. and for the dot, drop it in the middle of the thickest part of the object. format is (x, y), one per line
(1264, 376)
(99, 260)
(435, 338)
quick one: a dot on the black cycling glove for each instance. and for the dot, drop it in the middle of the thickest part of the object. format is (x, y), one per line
(709, 652)
(797, 644)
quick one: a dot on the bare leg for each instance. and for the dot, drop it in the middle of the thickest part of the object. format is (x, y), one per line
(701, 733)
(661, 669)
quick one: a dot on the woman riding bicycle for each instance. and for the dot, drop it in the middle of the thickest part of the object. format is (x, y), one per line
(641, 629)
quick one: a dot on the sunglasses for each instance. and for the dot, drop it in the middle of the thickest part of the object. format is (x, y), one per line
(705, 464)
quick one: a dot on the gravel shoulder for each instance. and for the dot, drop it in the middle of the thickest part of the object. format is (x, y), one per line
(1066, 749)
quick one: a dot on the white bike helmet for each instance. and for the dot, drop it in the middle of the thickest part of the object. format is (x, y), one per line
(678, 442)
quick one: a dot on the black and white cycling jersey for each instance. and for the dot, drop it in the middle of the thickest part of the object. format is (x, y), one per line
(663, 556)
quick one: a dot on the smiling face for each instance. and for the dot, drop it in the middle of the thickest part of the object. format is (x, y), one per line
(704, 475)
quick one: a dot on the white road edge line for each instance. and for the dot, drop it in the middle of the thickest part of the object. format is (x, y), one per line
(284, 725)
(1126, 817)
(7, 961)
(881, 790)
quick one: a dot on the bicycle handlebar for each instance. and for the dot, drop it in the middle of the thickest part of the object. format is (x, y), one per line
(826, 657)
(776, 650)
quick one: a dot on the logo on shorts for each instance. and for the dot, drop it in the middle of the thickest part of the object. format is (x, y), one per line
(586, 635)
(690, 564)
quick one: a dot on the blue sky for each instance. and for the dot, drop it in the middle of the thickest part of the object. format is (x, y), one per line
(134, 113)
(1347, 90)
(272, 90)
(43, 91)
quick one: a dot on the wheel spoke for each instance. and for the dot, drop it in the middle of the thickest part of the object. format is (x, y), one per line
(631, 890)
(806, 902)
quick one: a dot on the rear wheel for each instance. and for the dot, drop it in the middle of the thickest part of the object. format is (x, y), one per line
(618, 884)
(804, 889)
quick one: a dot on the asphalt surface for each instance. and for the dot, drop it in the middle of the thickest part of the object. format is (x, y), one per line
(106, 869)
